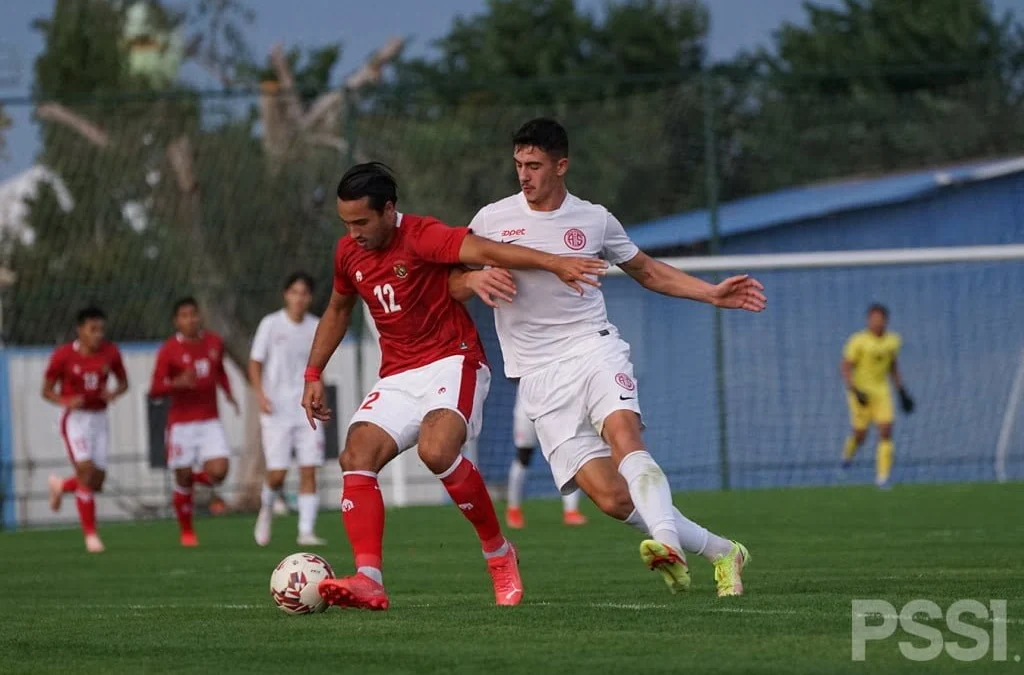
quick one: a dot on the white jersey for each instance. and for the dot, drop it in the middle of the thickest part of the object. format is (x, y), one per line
(282, 346)
(548, 321)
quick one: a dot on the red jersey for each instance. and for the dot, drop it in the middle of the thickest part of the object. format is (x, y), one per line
(406, 288)
(205, 357)
(85, 374)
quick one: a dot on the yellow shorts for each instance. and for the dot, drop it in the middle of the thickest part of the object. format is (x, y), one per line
(877, 411)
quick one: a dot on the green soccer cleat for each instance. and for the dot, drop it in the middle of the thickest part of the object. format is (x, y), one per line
(669, 562)
(728, 569)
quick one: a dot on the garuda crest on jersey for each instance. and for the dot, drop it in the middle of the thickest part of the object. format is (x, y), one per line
(401, 271)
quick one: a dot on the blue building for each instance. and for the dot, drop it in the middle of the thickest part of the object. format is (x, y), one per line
(784, 406)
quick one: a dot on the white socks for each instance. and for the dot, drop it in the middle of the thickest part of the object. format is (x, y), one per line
(692, 537)
(652, 497)
(308, 507)
(267, 496)
(516, 480)
(571, 502)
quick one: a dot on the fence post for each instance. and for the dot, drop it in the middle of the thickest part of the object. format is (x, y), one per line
(711, 178)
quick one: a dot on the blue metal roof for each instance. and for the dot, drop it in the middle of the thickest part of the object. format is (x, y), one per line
(813, 201)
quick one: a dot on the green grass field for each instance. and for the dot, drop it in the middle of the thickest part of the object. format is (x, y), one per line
(590, 607)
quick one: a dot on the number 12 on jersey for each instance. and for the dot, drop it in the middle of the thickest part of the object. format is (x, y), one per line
(386, 295)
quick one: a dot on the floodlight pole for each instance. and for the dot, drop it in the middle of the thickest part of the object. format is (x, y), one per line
(717, 329)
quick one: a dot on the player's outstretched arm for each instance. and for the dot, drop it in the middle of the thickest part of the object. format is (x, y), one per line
(739, 292)
(481, 252)
(329, 332)
(490, 285)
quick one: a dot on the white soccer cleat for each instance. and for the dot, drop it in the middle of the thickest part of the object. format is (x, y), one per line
(310, 540)
(261, 533)
(56, 486)
(93, 543)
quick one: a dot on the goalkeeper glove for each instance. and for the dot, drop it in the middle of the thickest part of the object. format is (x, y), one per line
(862, 398)
(906, 403)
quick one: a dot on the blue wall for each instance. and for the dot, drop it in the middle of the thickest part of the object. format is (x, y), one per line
(990, 212)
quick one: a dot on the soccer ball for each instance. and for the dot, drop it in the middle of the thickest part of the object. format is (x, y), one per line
(293, 583)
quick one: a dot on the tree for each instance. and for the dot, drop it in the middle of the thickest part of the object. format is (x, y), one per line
(876, 86)
(625, 92)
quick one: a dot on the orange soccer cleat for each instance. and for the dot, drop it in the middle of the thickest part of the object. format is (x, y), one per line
(573, 519)
(508, 585)
(514, 518)
(358, 590)
(189, 539)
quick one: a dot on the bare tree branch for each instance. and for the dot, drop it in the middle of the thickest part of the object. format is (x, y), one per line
(328, 141)
(372, 71)
(55, 112)
(286, 80)
(325, 106)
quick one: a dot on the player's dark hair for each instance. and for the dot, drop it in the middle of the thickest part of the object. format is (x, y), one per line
(187, 301)
(544, 133)
(89, 313)
(880, 308)
(373, 180)
(296, 277)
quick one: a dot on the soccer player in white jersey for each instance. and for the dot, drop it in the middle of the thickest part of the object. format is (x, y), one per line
(524, 439)
(279, 353)
(575, 375)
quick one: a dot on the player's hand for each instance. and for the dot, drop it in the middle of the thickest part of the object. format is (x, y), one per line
(906, 403)
(73, 402)
(186, 379)
(739, 292)
(861, 397)
(491, 284)
(575, 271)
(264, 402)
(313, 402)
(109, 396)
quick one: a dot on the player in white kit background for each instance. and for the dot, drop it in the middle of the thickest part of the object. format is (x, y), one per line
(524, 439)
(575, 376)
(278, 357)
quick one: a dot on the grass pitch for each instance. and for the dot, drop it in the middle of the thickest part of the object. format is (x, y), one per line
(148, 606)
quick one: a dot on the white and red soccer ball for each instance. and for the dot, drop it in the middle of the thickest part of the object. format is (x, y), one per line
(293, 584)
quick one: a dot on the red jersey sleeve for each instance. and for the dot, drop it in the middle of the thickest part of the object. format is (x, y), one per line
(435, 242)
(55, 368)
(161, 384)
(342, 284)
(117, 364)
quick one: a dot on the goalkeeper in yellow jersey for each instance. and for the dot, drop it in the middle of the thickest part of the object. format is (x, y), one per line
(869, 360)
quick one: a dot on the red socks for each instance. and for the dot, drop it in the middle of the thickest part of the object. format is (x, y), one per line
(362, 511)
(467, 489)
(86, 510)
(202, 478)
(70, 485)
(183, 508)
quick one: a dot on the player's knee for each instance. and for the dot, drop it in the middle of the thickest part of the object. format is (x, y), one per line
(96, 479)
(438, 456)
(275, 480)
(621, 431)
(524, 455)
(859, 435)
(367, 448)
(885, 431)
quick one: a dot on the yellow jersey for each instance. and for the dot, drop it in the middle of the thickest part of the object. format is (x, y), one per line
(871, 357)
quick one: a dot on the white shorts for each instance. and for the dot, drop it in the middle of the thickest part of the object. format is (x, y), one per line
(398, 403)
(86, 436)
(523, 433)
(568, 402)
(193, 443)
(281, 436)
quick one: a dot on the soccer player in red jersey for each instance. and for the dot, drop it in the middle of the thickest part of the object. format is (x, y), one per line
(434, 375)
(189, 368)
(76, 380)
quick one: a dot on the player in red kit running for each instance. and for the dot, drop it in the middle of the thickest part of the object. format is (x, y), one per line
(189, 368)
(76, 380)
(434, 375)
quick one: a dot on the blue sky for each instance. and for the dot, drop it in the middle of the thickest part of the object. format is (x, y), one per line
(361, 27)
